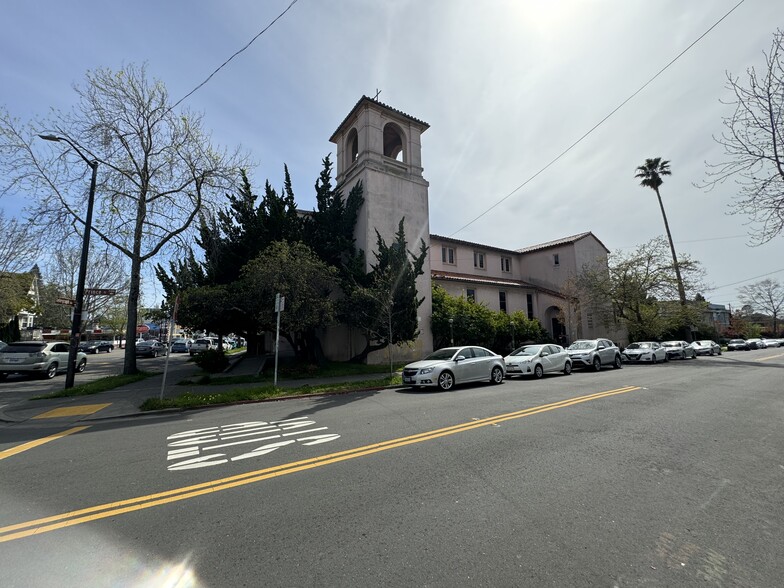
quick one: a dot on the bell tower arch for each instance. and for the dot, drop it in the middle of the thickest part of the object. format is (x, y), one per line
(380, 146)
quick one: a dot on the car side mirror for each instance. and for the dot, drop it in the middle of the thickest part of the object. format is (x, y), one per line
(460, 358)
(544, 354)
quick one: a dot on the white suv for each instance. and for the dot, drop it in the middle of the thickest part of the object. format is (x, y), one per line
(595, 353)
(203, 344)
(41, 358)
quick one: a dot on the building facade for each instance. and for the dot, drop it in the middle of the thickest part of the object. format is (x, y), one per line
(380, 147)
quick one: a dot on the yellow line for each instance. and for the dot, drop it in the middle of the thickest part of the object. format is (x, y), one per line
(37, 442)
(80, 409)
(771, 357)
(143, 502)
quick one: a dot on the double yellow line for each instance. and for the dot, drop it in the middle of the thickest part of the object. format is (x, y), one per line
(112, 509)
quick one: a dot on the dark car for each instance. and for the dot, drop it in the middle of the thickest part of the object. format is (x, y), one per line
(150, 349)
(96, 346)
(737, 345)
(181, 345)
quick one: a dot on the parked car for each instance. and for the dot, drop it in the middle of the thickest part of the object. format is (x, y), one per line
(756, 343)
(679, 350)
(455, 365)
(594, 353)
(644, 351)
(150, 348)
(706, 347)
(181, 345)
(538, 360)
(203, 344)
(737, 345)
(3, 345)
(96, 346)
(40, 358)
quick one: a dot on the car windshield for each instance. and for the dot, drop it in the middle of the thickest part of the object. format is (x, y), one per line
(144, 344)
(737, 341)
(446, 353)
(582, 345)
(671, 344)
(639, 346)
(528, 350)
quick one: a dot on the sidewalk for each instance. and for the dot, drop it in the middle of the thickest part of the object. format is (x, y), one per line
(125, 400)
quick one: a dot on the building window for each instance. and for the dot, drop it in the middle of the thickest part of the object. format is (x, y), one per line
(471, 295)
(589, 319)
(479, 260)
(556, 261)
(448, 255)
(506, 264)
(502, 301)
(529, 299)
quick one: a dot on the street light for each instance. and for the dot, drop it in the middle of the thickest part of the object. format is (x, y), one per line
(76, 324)
(513, 333)
(451, 332)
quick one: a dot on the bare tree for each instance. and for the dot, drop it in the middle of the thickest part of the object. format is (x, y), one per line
(766, 296)
(18, 251)
(753, 143)
(106, 269)
(156, 169)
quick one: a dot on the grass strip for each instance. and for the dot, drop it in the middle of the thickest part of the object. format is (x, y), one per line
(96, 386)
(291, 372)
(190, 400)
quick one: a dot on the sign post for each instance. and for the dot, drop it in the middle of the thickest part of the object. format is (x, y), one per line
(172, 322)
(280, 303)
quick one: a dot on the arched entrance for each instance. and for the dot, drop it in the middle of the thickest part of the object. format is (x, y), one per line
(555, 325)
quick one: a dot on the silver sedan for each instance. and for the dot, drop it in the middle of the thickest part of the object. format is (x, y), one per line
(455, 365)
(644, 351)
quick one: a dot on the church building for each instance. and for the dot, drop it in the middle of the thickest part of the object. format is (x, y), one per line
(381, 147)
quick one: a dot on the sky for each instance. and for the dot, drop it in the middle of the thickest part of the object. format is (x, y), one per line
(506, 87)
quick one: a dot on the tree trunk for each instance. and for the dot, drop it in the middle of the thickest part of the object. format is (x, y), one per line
(681, 291)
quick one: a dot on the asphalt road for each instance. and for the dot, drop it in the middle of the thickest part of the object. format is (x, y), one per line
(19, 387)
(666, 475)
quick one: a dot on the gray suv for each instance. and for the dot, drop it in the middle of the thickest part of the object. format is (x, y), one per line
(41, 358)
(595, 353)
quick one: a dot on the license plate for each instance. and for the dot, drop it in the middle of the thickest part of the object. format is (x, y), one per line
(14, 360)
(512, 368)
(407, 380)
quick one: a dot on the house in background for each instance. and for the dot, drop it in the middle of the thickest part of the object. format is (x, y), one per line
(23, 286)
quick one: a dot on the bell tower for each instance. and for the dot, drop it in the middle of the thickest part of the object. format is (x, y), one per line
(381, 147)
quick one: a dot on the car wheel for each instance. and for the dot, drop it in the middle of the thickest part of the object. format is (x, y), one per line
(51, 371)
(711, 352)
(154, 354)
(597, 364)
(110, 350)
(666, 358)
(538, 371)
(497, 375)
(567, 368)
(618, 363)
(653, 358)
(81, 365)
(446, 381)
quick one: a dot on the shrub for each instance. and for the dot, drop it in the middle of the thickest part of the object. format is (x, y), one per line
(212, 360)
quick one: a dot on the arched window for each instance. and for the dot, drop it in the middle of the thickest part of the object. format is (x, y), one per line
(393, 142)
(352, 147)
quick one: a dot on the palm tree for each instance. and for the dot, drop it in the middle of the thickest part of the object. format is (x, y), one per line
(650, 174)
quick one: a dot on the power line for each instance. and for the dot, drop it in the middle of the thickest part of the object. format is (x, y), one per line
(597, 125)
(222, 65)
(746, 280)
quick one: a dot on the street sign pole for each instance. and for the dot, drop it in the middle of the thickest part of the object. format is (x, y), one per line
(280, 302)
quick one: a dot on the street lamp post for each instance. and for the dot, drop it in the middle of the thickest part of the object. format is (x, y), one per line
(76, 324)
(451, 332)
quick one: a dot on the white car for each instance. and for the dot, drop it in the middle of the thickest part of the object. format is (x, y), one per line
(644, 351)
(455, 365)
(538, 360)
(706, 347)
